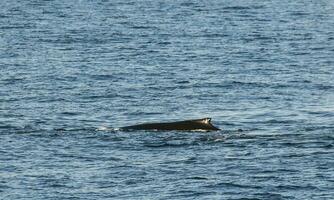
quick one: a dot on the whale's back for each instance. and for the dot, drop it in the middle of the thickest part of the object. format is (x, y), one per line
(187, 125)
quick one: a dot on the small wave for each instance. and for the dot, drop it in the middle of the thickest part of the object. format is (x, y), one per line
(236, 8)
(276, 121)
(143, 27)
(198, 178)
(299, 13)
(168, 144)
(242, 7)
(297, 187)
(74, 129)
(234, 185)
(316, 128)
(68, 113)
(103, 77)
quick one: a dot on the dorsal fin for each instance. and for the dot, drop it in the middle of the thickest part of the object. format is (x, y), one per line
(204, 120)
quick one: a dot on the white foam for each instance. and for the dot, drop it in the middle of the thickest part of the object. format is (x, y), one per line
(103, 128)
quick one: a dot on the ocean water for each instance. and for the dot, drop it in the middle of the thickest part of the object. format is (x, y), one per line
(73, 71)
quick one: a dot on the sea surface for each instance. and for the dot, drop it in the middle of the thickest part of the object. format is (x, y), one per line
(73, 71)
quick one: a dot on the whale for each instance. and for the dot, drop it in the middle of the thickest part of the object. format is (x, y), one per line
(203, 124)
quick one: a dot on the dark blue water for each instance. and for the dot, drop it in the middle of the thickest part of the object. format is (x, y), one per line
(72, 71)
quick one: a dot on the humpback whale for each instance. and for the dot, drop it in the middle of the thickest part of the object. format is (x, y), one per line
(187, 125)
